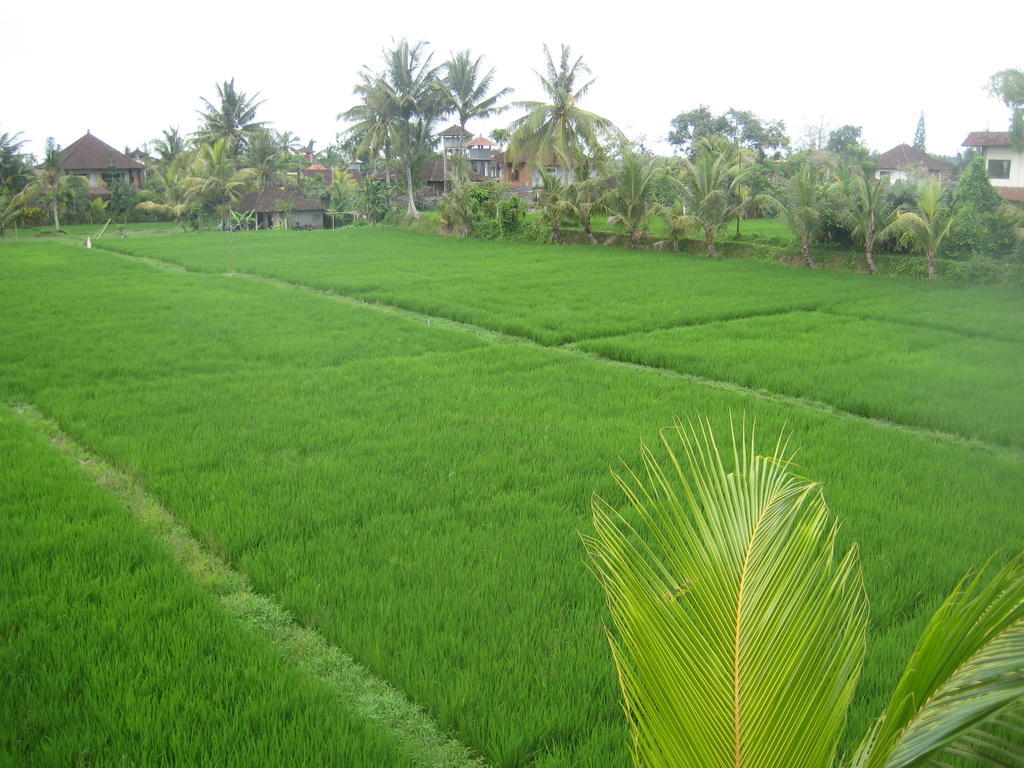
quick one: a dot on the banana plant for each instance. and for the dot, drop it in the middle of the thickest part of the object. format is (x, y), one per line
(739, 633)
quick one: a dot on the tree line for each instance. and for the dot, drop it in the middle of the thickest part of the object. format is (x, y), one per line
(728, 166)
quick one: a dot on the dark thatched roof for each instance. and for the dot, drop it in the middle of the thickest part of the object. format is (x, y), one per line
(905, 156)
(454, 130)
(275, 200)
(987, 139)
(91, 154)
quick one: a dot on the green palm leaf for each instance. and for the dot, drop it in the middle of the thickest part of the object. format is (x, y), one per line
(966, 674)
(738, 634)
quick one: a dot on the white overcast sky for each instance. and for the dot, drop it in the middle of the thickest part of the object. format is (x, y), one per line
(127, 70)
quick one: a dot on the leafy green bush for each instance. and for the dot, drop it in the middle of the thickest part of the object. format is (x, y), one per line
(980, 228)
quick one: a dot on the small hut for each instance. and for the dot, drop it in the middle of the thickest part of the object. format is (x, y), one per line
(280, 207)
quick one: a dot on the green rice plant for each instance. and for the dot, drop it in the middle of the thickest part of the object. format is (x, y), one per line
(411, 490)
(558, 294)
(110, 655)
(739, 633)
(882, 369)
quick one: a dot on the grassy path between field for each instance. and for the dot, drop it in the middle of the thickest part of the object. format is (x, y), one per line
(418, 736)
(572, 349)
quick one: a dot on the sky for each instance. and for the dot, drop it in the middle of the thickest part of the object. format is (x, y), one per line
(127, 70)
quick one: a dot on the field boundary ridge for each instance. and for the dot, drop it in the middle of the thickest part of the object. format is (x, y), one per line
(416, 735)
(571, 348)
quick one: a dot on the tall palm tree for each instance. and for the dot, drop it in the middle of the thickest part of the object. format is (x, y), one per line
(925, 228)
(52, 183)
(800, 203)
(415, 100)
(467, 89)
(863, 207)
(710, 182)
(740, 632)
(216, 181)
(373, 130)
(233, 118)
(559, 128)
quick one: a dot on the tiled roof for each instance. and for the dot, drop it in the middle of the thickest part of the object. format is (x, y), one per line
(987, 139)
(1012, 194)
(91, 154)
(905, 156)
(271, 199)
(454, 130)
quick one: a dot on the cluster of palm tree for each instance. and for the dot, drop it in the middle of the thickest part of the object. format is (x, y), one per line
(230, 155)
(399, 106)
(862, 204)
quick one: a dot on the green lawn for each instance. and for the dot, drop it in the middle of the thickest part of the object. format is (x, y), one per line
(414, 492)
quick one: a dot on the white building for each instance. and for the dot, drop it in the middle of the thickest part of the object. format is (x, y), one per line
(1004, 162)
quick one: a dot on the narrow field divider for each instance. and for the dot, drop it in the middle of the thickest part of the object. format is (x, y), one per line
(571, 348)
(420, 739)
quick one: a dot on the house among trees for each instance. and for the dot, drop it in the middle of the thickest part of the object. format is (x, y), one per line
(99, 162)
(1003, 161)
(279, 207)
(904, 162)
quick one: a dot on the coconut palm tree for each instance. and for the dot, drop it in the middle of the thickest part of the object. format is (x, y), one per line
(169, 146)
(739, 631)
(925, 228)
(800, 203)
(558, 128)
(373, 131)
(51, 183)
(415, 100)
(710, 182)
(467, 90)
(863, 208)
(265, 157)
(216, 181)
(233, 118)
(11, 205)
(553, 199)
(629, 201)
(585, 194)
(168, 193)
(15, 166)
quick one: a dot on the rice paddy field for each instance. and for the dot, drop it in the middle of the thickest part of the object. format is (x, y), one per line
(395, 437)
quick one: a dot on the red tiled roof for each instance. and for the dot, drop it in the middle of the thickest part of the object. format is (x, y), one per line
(905, 156)
(1011, 194)
(481, 141)
(987, 139)
(91, 154)
(317, 167)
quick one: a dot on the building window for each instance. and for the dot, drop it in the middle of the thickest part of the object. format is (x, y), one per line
(999, 169)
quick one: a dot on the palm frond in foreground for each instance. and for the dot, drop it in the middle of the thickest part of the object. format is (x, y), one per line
(739, 632)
